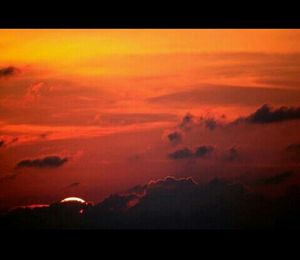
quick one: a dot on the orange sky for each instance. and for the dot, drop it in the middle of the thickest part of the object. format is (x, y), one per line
(105, 97)
(98, 52)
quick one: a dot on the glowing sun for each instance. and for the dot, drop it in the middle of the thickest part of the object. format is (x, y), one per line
(73, 199)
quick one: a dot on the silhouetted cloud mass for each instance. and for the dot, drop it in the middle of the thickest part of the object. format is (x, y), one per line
(265, 114)
(2, 143)
(47, 162)
(169, 203)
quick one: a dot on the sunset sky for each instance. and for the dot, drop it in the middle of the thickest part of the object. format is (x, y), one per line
(88, 113)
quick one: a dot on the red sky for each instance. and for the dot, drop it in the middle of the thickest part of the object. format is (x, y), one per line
(107, 99)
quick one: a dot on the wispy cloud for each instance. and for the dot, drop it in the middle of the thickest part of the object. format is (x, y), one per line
(228, 95)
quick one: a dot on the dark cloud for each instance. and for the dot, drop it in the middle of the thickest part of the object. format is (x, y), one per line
(181, 154)
(175, 137)
(169, 182)
(2, 142)
(210, 123)
(169, 203)
(265, 114)
(117, 202)
(8, 71)
(180, 203)
(47, 162)
(277, 179)
(203, 150)
(187, 122)
(185, 153)
(58, 215)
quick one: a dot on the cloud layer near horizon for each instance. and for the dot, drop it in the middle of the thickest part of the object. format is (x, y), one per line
(169, 203)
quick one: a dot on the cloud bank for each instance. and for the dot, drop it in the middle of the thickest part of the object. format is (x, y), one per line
(169, 203)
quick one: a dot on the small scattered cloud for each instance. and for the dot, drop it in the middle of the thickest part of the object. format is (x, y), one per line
(204, 150)
(8, 71)
(181, 154)
(187, 122)
(175, 137)
(210, 123)
(46, 162)
(185, 153)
